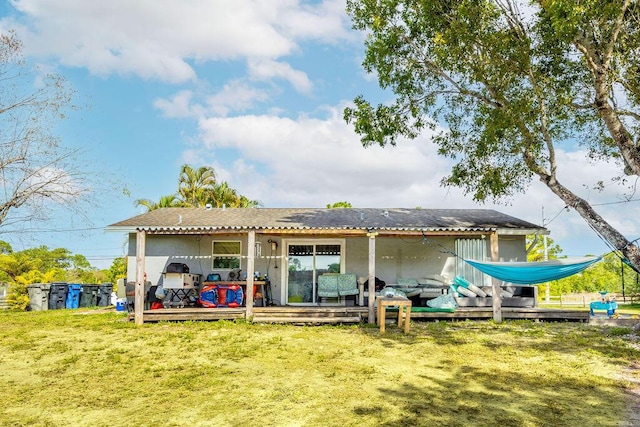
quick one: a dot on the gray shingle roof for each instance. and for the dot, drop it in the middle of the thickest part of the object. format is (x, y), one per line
(200, 219)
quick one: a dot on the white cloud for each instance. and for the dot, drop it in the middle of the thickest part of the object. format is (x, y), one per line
(312, 162)
(157, 40)
(235, 96)
(179, 106)
(268, 69)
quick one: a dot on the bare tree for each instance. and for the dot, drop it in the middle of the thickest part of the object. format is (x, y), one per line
(37, 173)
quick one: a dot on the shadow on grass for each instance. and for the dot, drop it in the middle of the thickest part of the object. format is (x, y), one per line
(475, 397)
(499, 388)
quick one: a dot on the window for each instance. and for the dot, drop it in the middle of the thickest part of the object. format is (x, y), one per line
(306, 260)
(226, 254)
(471, 249)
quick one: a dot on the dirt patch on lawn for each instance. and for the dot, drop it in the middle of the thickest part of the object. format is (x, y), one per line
(632, 416)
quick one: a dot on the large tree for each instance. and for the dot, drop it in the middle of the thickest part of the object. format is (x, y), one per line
(197, 187)
(196, 184)
(37, 173)
(170, 201)
(511, 81)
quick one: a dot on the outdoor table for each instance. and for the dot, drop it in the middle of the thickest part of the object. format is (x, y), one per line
(404, 310)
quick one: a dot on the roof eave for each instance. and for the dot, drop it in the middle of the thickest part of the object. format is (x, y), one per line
(209, 229)
(522, 231)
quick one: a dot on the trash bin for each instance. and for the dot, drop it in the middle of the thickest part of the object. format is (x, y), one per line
(104, 294)
(89, 296)
(57, 296)
(73, 296)
(130, 292)
(39, 296)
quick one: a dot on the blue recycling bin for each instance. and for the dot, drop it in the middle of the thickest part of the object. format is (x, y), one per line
(57, 296)
(73, 296)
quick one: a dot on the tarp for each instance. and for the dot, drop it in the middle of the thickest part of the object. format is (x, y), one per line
(531, 273)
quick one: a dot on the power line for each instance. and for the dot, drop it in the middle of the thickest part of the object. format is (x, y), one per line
(57, 230)
(545, 223)
(615, 203)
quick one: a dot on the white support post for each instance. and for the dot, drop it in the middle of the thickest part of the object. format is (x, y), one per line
(495, 283)
(251, 248)
(372, 277)
(140, 277)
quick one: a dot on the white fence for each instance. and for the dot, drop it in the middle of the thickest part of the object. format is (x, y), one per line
(583, 299)
(4, 288)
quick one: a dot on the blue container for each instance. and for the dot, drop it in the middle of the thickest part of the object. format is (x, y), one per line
(73, 296)
(57, 296)
(121, 304)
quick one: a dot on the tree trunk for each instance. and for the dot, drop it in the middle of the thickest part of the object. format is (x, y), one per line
(599, 224)
(629, 150)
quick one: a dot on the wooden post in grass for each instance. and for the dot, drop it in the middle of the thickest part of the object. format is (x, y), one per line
(372, 277)
(138, 302)
(495, 283)
(251, 251)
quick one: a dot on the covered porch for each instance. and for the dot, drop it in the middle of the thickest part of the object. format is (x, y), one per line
(298, 261)
(295, 253)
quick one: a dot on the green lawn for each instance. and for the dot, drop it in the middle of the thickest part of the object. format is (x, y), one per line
(65, 368)
(630, 309)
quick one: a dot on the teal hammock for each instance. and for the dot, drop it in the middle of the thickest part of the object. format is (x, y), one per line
(531, 273)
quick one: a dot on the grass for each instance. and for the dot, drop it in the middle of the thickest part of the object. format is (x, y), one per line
(65, 368)
(630, 309)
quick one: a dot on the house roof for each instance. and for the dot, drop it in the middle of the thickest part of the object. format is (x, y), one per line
(202, 220)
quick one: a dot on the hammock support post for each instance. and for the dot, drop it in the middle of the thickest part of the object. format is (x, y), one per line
(495, 284)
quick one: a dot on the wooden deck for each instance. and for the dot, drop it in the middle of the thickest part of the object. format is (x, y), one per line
(483, 313)
(322, 315)
(178, 314)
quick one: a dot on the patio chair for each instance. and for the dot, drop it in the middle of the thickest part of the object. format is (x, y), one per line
(348, 285)
(328, 286)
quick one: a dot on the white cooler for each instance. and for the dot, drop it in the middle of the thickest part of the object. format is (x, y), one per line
(180, 281)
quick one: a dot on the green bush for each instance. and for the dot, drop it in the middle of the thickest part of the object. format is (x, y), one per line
(18, 297)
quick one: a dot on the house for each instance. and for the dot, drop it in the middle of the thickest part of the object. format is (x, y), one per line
(290, 248)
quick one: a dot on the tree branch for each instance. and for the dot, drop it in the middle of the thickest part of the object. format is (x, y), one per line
(615, 32)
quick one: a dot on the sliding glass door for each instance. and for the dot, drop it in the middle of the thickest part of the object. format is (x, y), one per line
(306, 260)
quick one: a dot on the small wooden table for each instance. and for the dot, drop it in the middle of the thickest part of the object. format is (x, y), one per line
(404, 310)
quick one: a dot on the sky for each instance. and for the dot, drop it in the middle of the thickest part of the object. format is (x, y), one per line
(255, 89)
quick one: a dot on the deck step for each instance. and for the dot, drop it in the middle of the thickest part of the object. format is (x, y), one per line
(178, 314)
(312, 315)
(300, 319)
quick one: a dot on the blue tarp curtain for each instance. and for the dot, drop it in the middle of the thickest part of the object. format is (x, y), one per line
(530, 273)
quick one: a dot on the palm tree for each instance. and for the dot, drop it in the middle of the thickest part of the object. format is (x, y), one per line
(222, 195)
(194, 184)
(198, 188)
(170, 201)
(244, 202)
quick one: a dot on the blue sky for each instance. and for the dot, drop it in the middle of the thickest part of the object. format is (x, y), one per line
(256, 90)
